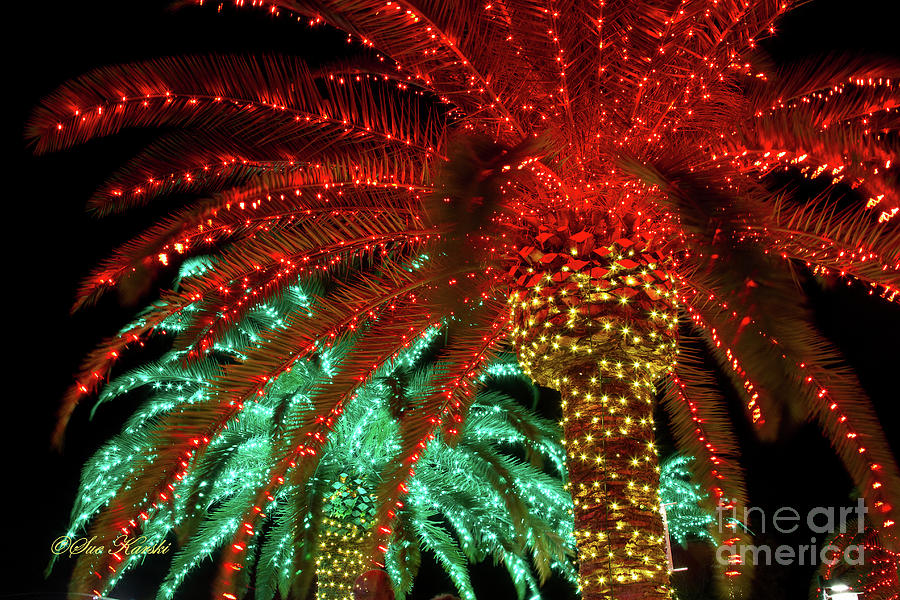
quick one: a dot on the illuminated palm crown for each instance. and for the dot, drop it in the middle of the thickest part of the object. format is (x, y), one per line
(572, 180)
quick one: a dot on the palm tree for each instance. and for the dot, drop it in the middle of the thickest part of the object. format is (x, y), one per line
(588, 183)
(466, 502)
(862, 561)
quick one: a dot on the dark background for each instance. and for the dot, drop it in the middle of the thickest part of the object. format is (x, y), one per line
(51, 244)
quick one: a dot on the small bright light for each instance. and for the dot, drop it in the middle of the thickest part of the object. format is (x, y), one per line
(840, 587)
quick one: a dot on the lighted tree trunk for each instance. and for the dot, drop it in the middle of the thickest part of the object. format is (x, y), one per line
(598, 324)
(340, 559)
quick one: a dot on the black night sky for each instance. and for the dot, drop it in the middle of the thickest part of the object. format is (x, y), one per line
(52, 243)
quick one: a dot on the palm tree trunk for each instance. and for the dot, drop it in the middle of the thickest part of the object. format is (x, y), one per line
(614, 480)
(340, 559)
(598, 324)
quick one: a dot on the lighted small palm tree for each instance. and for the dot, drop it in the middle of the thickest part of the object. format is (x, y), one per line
(585, 183)
(466, 502)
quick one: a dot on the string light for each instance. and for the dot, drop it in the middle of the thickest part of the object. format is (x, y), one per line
(876, 575)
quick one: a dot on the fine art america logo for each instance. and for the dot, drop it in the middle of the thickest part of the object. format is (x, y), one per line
(824, 521)
(122, 545)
